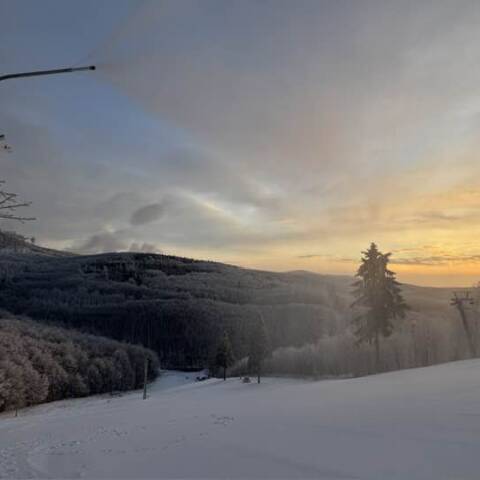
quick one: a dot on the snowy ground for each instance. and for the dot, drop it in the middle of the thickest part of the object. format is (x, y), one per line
(422, 423)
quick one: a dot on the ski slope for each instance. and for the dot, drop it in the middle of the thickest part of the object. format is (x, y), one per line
(413, 424)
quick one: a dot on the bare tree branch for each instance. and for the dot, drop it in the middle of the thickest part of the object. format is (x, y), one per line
(9, 204)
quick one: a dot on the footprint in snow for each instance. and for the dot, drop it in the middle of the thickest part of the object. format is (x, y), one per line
(223, 420)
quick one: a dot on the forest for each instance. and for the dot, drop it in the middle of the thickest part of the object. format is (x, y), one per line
(181, 308)
(178, 307)
(40, 363)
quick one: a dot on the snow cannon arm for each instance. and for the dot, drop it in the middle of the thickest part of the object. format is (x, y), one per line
(46, 72)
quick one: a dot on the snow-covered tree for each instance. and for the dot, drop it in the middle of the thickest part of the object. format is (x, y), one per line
(378, 293)
(40, 363)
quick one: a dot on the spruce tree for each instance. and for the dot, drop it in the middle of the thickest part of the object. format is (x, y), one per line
(258, 348)
(224, 357)
(379, 293)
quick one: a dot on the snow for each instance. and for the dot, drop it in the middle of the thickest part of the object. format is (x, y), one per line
(415, 424)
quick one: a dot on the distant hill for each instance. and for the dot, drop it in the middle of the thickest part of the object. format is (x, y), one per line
(180, 307)
(12, 242)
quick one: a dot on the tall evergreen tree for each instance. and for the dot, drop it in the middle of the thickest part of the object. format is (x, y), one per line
(379, 293)
(258, 348)
(224, 357)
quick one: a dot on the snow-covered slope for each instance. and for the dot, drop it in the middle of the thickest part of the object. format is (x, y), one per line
(422, 423)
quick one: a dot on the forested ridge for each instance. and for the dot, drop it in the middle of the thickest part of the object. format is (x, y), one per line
(40, 363)
(179, 307)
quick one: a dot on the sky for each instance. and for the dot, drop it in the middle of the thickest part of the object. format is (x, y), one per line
(271, 134)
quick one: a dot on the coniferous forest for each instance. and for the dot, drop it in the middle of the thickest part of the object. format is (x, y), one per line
(178, 307)
(182, 308)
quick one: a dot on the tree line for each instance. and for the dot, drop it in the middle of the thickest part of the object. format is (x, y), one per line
(196, 314)
(178, 307)
(40, 363)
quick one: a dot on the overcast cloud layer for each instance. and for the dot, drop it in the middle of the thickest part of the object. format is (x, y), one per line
(272, 134)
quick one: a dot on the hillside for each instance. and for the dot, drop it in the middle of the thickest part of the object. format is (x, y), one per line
(42, 364)
(13, 243)
(180, 307)
(415, 424)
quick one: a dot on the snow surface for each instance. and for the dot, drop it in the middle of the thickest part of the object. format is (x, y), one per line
(422, 423)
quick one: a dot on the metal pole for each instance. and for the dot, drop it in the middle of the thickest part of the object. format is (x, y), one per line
(459, 303)
(145, 378)
(37, 74)
(46, 72)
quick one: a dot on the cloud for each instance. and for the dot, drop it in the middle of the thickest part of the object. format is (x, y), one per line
(116, 204)
(147, 214)
(103, 242)
(121, 240)
(438, 260)
(252, 129)
(331, 258)
(144, 247)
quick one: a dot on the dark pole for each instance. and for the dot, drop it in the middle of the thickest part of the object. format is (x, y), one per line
(458, 302)
(145, 378)
(46, 72)
(145, 366)
(37, 74)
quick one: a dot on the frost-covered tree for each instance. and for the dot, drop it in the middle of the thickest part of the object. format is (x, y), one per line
(14, 390)
(224, 357)
(78, 387)
(378, 293)
(40, 363)
(5, 386)
(94, 379)
(37, 385)
(258, 348)
(127, 376)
